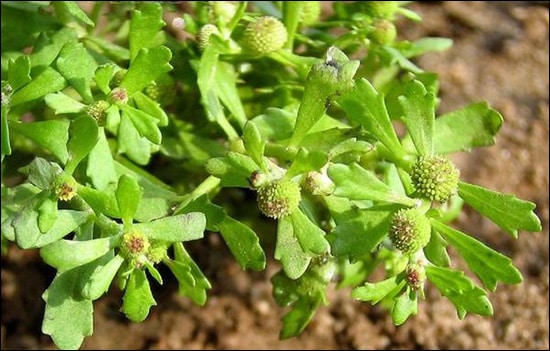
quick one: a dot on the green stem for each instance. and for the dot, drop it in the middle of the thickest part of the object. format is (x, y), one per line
(208, 185)
(280, 152)
(238, 15)
(291, 17)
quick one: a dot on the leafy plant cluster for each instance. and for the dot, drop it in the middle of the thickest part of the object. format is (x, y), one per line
(124, 138)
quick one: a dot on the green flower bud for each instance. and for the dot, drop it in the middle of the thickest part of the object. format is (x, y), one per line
(279, 198)
(97, 110)
(258, 179)
(310, 12)
(409, 230)
(221, 11)
(415, 275)
(157, 252)
(381, 9)
(118, 96)
(135, 247)
(65, 187)
(316, 183)
(384, 32)
(435, 178)
(203, 37)
(265, 35)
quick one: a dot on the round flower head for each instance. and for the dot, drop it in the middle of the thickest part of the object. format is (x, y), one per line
(409, 230)
(265, 35)
(279, 198)
(384, 32)
(435, 178)
(97, 110)
(381, 9)
(203, 37)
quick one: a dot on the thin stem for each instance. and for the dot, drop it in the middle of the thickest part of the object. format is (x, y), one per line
(208, 185)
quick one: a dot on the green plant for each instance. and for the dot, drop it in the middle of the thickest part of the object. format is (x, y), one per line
(100, 119)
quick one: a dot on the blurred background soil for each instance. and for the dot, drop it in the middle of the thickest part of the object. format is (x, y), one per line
(500, 54)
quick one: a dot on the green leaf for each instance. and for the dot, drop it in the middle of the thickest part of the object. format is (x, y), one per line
(288, 250)
(243, 243)
(49, 81)
(356, 183)
(51, 135)
(365, 106)
(197, 291)
(376, 292)
(42, 173)
(145, 26)
(363, 233)
(46, 51)
(489, 265)
(460, 290)
(208, 86)
(113, 122)
(47, 214)
(19, 72)
(78, 68)
(72, 8)
(101, 201)
(214, 214)
(295, 321)
(153, 272)
(68, 318)
(275, 124)
(226, 88)
(418, 115)
(61, 103)
(101, 278)
(138, 299)
(84, 136)
(108, 48)
(103, 75)
(28, 234)
(147, 66)
(151, 108)
(101, 168)
(68, 254)
(234, 170)
(128, 194)
(325, 79)
(310, 236)
(17, 200)
(306, 161)
(145, 124)
(436, 250)
(254, 144)
(472, 126)
(184, 227)
(505, 210)
(137, 148)
(427, 44)
(404, 306)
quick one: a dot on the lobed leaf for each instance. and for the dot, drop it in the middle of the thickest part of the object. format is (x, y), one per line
(243, 243)
(137, 299)
(184, 227)
(489, 265)
(418, 107)
(460, 290)
(506, 210)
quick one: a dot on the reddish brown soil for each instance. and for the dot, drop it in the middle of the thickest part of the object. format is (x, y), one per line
(500, 55)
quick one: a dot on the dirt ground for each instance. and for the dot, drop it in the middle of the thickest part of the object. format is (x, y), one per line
(500, 54)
